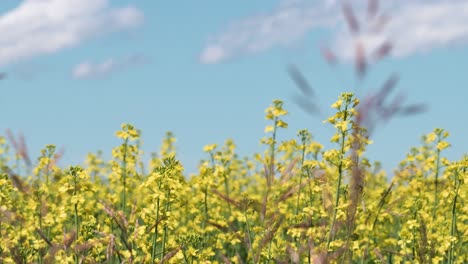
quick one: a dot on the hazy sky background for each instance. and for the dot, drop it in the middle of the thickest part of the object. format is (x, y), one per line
(206, 70)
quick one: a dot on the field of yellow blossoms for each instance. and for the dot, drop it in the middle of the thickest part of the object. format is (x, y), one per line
(295, 203)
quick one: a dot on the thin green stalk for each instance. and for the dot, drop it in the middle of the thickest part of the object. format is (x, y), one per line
(184, 253)
(112, 257)
(300, 179)
(331, 237)
(413, 240)
(47, 174)
(272, 150)
(269, 251)
(270, 176)
(77, 229)
(163, 246)
(226, 187)
(309, 257)
(300, 189)
(249, 237)
(454, 219)
(436, 183)
(205, 213)
(311, 193)
(271, 240)
(1, 238)
(205, 204)
(124, 176)
(381, 204)
(40, 223)
(155, 234)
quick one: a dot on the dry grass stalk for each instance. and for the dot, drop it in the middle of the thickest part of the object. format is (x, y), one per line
(288, 172)
(68, 239)
(227, 199)
(306, 89)
(301, 82)
(379, 255)
(382, 51)
(329, 55)
(272, 226)
(41, 234)
(122, 223)
(291, 191)
(294, 255)
(350, 18)
(20, 147)
(360, 59)
(169, 255)
(225, 259)
(18, 183)
(372, 8)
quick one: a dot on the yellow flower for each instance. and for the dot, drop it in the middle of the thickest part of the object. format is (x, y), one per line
(431, 137)
(209, 148)
(442, 145)
(282, 124)
(128, 132)
(269, 129)
(342, 125)
(337, 104)
(335, 138)
(279, 112)
(331, 120)
(445, 134)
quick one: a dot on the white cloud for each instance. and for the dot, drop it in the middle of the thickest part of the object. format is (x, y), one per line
(415, 26)
(213, 54)
(38, 27)
(89, 70)
(283, 26)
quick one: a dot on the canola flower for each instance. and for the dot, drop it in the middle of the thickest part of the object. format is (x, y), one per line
(295, 203)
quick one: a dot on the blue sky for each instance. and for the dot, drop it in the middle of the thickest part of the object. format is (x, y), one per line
(206, 70)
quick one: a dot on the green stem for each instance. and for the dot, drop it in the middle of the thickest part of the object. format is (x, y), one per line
(226, 187)
(250, 237)
(436, 183)
(272, 150)
(331, 237)
(205, 213)
(77, 229)
(453, 225)
(311, 194)
(300, 180)
(155, 234)
(300, 189)
(124, 176)
(40, 223)
(163, 246)
(185, 255)
(311, 204)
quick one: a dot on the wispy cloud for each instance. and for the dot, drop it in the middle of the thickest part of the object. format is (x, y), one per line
(416, 26)
(289, 22)
(38, 27)
(89, 70)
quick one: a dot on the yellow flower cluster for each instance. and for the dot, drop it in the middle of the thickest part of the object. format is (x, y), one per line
(298, 202)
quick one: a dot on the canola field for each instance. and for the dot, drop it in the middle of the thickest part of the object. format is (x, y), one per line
(295, 203)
